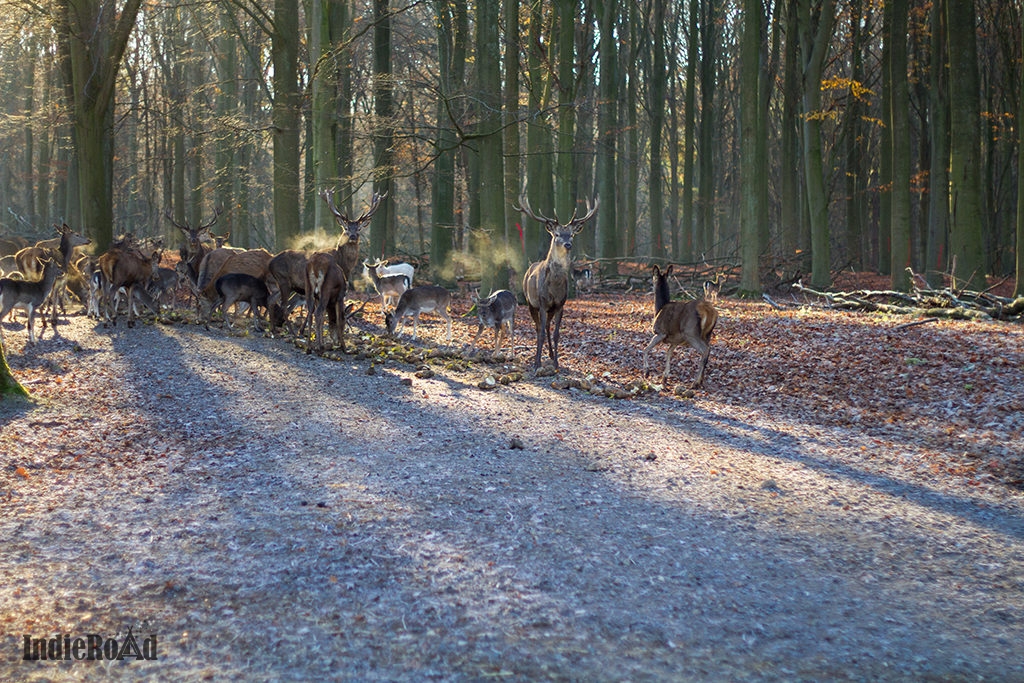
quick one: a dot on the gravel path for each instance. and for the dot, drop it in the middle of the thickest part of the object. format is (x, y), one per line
(276, 516)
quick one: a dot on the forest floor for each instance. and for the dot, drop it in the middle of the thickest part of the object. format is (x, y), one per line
(843, 501)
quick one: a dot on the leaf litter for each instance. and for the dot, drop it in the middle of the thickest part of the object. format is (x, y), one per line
(843, 502)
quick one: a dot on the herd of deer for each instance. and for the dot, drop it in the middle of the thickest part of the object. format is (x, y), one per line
(220, 276)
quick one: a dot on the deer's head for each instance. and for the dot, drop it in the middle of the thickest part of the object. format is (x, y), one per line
(350, 228)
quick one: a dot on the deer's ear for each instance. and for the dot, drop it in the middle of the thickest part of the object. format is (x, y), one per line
(668, 271)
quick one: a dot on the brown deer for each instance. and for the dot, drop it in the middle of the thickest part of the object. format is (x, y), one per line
(325, 291)
(235, 288)
(546, 283)
(123, 265)
(347, 252)
(195, 249)
(288, 270)
(680, 322)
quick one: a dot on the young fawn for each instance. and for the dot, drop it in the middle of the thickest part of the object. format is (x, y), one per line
(679, 322)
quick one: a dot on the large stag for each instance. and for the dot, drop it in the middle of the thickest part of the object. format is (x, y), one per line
(546, 284)
(347, 252)
(195, 249)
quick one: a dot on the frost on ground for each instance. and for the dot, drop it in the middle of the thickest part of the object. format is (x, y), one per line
(842, 504)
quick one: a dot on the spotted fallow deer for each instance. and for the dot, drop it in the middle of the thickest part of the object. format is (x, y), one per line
(546, 283)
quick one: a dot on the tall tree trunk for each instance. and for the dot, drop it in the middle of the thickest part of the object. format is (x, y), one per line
(287, 120)
(751, 173)
(452, 22)
(607, 124)
(511, 142)
(382, 226)
(792, 207)
(97, 37)
(1019, 287)
(937, 244)
(687, 235)
(43, 180)
(565, 177)
(899, 123)
(324, 81)
(708, 123)
(852, 133)
(966, 238)
(225, 167)
(540, 187)
(628, 151)
(340, 25)
(28, 152)
(658, 89)
(815, 33)
(490, 246)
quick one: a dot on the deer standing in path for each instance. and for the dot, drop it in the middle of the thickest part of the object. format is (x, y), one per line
(546, 284)
(680, 322)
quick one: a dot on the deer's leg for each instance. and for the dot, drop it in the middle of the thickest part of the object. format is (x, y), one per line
(668, 361)
(554, 335)
(339, 308)
(658, 338)
(131, 305)
(479, 332)
(706, 353)
(541, 317)
(31, 321)
(448, 317)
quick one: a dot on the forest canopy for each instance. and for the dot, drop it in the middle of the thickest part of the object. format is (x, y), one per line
(794, 138)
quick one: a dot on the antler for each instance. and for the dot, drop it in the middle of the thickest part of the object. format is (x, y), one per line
(186, 228)
(575, 222)
(578, 222)
(206, 226)
(524, 207)
(179, 226)
(328, 196)
(374, 205)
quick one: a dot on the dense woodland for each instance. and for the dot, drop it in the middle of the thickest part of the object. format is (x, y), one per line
(793, 138)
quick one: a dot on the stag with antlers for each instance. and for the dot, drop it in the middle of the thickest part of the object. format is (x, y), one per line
(546, 284)
(195, 250)
(347, 252)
